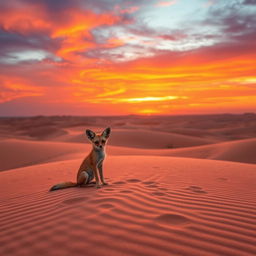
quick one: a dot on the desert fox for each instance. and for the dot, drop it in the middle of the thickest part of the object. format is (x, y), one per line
(92, 163)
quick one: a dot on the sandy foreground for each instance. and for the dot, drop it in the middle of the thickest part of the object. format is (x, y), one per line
(184, 192)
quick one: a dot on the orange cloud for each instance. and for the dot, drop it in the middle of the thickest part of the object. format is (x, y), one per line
(78, 22)
(76, 32)
(12, 88)
(114, 42)
(25, 18)
(166, 3)
(147, 84)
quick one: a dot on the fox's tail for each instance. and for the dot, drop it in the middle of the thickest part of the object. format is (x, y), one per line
(67, 184)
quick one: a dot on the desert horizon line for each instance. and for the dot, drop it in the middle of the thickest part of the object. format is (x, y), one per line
(139, 115)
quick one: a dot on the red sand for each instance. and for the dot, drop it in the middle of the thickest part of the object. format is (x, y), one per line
(155, 204)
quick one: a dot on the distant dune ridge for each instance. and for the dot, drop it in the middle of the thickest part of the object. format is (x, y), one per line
(168, 195)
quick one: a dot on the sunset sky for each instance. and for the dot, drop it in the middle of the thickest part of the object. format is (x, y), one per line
(112, 57)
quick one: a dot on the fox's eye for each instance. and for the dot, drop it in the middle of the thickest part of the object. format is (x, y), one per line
(97, 143)
(103, 141)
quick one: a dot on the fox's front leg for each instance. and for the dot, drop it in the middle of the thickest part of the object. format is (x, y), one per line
(96, 177)
(101, 174)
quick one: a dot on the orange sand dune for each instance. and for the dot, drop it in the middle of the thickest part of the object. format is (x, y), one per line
(243, 151)
(237, 151)
(18, 153)
(233, 132)
(144, 139)
(153, 206)
(201, 133)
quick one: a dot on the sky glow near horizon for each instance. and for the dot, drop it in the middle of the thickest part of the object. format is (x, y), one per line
(113, 57)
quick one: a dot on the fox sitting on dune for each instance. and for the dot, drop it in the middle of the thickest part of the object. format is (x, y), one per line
(92, 163)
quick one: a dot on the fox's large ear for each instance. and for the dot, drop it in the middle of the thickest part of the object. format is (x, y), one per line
(106, 132)
(90, 134)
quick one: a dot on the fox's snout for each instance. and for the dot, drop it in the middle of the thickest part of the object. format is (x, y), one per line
(98, 146)
(99, 143)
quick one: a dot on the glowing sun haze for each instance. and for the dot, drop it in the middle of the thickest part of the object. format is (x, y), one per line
(110, 57)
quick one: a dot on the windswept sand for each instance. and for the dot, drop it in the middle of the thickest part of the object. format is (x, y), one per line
(153, 206)
(160, 200)
(237, 151)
